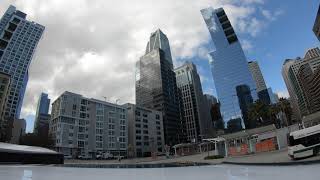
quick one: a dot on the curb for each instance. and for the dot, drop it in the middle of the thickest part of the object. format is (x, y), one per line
(274, 163)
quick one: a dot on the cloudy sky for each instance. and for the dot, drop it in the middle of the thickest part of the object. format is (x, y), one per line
(91, 46)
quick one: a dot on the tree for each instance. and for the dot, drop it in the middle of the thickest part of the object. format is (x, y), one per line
(284, 106)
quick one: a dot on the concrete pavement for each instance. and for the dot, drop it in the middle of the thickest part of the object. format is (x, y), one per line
(266, 158)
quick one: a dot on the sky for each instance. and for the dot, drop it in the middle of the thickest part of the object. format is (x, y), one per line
(90, 46)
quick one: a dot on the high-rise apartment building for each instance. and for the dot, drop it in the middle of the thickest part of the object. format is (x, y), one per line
(316, 26)
(42, 114)
(145, 131)
(86, 126)
(309, 80)
(196, 119)
(290, 72)
(156, 86)
(228, 63)
(18, 41)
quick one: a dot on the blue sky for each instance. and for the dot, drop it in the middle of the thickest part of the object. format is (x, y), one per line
(289, 35)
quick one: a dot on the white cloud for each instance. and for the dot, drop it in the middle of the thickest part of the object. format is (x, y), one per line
(246, 45)
(90, 47)
(283, 94)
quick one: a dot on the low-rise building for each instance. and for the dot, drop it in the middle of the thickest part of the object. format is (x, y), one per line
(86, 126)
(145, 127)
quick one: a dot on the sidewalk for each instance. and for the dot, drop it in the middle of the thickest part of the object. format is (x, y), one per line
(270, 158)
(267, 158)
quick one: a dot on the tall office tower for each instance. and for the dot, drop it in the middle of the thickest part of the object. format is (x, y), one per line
(257, 75)
(260, 83)
(156, 86)
(290, 72)
(195, 115)
(18, 41)
(316, 26)
(228, 63)
(42, 115)
(145, 131)
(86, 126)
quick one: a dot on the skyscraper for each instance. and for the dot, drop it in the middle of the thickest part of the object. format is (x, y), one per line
(156, 86)
(196, 117)
(228, 63)
(257, 75)
(18, 41)
(262, 90)
(42, 112)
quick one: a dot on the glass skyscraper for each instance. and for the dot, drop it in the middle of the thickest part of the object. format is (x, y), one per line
(229, 65)
(18, 41)
(42, 109)
(156, 86)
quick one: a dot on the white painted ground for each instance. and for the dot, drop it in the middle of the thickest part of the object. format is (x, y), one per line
(218, 172)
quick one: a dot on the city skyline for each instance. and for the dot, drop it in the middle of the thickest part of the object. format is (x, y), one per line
(194, 48)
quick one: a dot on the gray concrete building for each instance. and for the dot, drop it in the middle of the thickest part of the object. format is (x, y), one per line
(87, 126)
(18, 41)
(196, 119)
(145, 131)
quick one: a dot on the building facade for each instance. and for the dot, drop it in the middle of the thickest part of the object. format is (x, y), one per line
(262, 90)
(18, 130)
(156, 86)
(316, 26)
(309, 80)
(18, 41)
(145, 131)
(42, 115)
(86, 126)
(257, 75)
(213, 105)
(196, 118)
(228, 63)
(4, 90)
